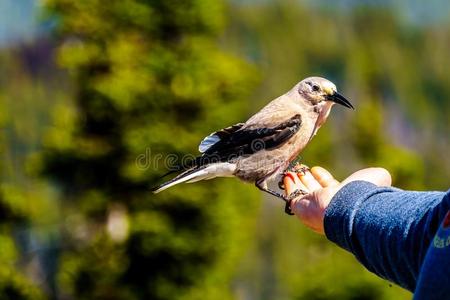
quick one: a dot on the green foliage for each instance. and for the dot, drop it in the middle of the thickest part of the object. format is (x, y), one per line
(24, 201)
(150, 81)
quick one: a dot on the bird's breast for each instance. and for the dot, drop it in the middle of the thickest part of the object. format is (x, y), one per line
(298, 142)
(271, 161)
(295, 145)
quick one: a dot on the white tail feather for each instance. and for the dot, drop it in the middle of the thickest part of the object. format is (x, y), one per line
(214, 170)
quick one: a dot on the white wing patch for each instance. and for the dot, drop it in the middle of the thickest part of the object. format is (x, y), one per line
(208, 142)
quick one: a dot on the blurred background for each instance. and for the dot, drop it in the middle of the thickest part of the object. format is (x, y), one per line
(97, 97)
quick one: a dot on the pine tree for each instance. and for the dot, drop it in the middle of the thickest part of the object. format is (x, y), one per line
(150, 80)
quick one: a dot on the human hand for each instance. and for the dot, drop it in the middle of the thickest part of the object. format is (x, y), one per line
(321, 187)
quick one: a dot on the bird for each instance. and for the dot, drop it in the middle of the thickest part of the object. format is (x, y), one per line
(266, 145)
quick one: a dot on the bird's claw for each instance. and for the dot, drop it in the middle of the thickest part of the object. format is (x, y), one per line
(288, 199)
(300, 168)
(292, 167)
(287, 208)
(295, 168)
(295, 194)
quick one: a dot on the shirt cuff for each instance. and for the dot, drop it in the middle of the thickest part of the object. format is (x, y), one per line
(340, 213)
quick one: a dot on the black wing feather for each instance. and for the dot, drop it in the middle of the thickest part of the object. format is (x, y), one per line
(248, 141)
(224, 133)
(237, 141)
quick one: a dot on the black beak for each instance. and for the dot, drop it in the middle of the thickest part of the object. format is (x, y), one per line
(338, 98)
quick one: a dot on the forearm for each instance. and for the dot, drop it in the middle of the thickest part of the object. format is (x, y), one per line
(388, 230)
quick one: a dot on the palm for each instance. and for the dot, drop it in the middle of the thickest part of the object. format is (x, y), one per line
(321, 187)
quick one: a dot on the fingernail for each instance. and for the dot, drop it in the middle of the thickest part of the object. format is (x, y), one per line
(290, 177)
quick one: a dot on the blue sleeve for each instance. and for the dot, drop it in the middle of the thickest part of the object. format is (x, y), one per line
(387, 229)
(434, 278)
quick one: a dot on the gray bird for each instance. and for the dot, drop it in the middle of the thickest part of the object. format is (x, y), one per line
(264, 147)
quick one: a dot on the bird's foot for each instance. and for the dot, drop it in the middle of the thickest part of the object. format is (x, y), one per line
(288, 199)
(299, 168)
(287, 208)
(294, 168)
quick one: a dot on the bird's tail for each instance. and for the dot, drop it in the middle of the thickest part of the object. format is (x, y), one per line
(222, 169)
(190, 175)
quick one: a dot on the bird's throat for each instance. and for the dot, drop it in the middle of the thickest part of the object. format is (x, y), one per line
(323, 110)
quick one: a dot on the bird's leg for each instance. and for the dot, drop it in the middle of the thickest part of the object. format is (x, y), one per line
(262, 185)
(293, 164)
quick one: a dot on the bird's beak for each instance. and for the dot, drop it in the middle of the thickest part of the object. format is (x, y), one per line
(338, 98)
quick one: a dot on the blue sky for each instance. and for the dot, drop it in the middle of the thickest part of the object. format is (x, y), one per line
(20, 19)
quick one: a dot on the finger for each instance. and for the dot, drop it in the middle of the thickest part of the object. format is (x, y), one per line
(309, 181)
(323, 176)
(292, 183)
(377, 176)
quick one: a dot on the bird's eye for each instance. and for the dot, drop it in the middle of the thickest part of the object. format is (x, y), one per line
(315, 88)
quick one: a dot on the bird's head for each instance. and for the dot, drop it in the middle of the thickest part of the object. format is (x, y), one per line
(317, 90)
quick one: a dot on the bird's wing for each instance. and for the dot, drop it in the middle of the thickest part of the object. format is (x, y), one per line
(217, 136)
(231, 142)
(244, 141)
